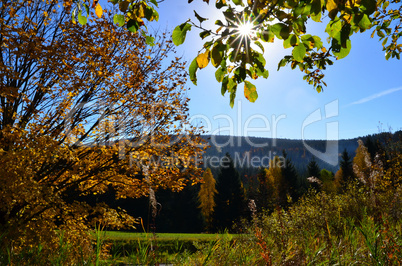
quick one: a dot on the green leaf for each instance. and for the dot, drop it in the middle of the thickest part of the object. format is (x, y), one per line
(308, 40)
(217, 53)
(299, 52)
(250, 91)
(265, 74)
(154, 2)
(123, 6)
(232, 98)
(259, 63)
(238, 2)
(282, 63)
(384, 42)
(368, 6)
(267, 35)
(259, 59)
(306, 10)
(261, 72)
(220, 3)
(205, 34)
(281, 15)
(316, 17)
(192, 70)
(332, 8)
(155, 15)
(119, 20)
(86, 9)
(334, 27)
(82, 19)
(179, 33)
(149, 13)
(224, 87)
(232, 85)
(317, 42)
(316, 7)
(291, 41)
(149, 40)
(344, 51)
(260, 46)
(208, 44)
(280, 30)
(200, 19)
(387, 55)
(252, 73)
(220, 74)
(240, 74)
(219, 23)
(365, 22)
(132, 25)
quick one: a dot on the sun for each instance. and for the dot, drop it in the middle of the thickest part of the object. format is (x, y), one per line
(246, 29)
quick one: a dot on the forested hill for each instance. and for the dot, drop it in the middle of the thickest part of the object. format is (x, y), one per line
(242, 147)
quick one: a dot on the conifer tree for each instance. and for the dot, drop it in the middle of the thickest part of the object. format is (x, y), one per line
(290, 178)
(346, 168)
(230, 197)
(313, 171)
(371, 147)
(266, 190)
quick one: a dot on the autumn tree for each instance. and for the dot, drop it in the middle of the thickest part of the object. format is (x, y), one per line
(362, 164)
(206, 197)
(84, 109)
(275, 178)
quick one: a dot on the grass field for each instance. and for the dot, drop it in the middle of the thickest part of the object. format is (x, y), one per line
(118, 235)
(137, 248)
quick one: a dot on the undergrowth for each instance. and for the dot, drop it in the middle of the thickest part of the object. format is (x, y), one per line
(358, 227)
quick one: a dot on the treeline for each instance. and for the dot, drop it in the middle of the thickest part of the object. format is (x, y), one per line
(296, 149)
(223, 199)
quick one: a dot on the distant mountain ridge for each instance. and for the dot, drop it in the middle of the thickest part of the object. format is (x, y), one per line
(253, 147)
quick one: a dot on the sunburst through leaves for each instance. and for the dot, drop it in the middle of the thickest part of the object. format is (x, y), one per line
(246, 29)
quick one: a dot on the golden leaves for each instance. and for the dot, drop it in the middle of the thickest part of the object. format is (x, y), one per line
(332, 8)
(203, 59)
(128, 90)
(98, 10)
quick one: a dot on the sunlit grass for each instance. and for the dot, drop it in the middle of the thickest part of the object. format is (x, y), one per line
(117, 235)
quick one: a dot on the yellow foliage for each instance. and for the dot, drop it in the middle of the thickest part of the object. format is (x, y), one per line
(206, 196)
(362, 163)
(98, 10)
(203, 59)
(83, 111)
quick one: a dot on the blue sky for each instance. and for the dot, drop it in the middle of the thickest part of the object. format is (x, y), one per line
(366, 88)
